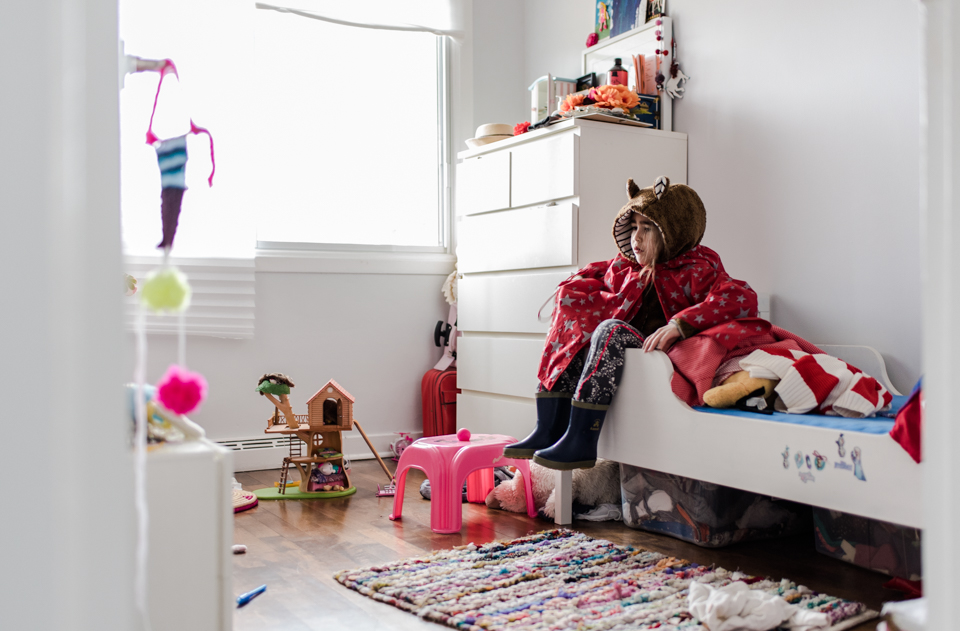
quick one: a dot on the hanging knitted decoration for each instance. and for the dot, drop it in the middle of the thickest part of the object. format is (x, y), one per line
(172, 160)
(180, 390)
(166, 289)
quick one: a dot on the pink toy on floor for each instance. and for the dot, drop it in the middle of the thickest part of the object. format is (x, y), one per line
(447, 461)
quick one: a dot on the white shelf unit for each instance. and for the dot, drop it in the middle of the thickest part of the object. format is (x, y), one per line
(530, 211)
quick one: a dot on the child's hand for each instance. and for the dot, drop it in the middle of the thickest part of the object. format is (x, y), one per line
(662, 339)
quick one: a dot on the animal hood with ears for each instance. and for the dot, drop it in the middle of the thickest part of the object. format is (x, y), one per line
(675, 208)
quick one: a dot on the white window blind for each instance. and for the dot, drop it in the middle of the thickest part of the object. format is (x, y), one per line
(222, 302)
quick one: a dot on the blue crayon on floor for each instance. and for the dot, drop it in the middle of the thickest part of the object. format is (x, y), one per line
(243, 599)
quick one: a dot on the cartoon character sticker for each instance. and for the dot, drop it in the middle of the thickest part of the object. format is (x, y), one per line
(840, 449)
(786, 457)
(809, 466)
(798, 459)
(806, 476)
(856, 456)
(819, 461)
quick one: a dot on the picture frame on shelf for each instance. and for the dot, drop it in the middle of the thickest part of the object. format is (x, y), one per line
(603, 23)
(587, 81)
(627, 15)
(656, 9)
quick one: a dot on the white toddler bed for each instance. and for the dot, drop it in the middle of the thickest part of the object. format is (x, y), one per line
(648, 426)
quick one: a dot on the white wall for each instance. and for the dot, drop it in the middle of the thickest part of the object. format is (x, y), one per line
(373, 334)
(803, 123)
(66, 536)
(500, 94)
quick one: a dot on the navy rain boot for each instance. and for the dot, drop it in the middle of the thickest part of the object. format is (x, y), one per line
(553, 414)
(577, 449)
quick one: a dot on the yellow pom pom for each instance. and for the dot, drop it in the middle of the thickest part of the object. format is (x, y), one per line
(166, 290)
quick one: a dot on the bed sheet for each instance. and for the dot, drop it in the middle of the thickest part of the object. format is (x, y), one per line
(870, 425)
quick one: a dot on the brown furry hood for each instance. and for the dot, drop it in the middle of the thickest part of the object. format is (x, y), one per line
(677, 211)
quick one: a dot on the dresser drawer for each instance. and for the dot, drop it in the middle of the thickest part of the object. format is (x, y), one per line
(526, 238)
(507, 304)
(544, 170)
(483, 183)
(496, 415)
(500, 365)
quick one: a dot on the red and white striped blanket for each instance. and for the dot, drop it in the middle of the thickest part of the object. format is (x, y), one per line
(817, 382)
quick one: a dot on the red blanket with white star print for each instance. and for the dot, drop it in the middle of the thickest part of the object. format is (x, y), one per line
(692, 287)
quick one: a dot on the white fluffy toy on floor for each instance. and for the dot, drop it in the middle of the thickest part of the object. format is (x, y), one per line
(592, 487)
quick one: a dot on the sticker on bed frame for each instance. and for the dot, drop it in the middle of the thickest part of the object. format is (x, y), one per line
(806, 476)
(809, 464)
(846, 466)
(856, 456)
(819, 461)
(786, 457)
(798, 459)
(840, 450)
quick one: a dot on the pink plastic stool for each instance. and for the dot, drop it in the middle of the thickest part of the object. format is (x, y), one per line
(447, 461)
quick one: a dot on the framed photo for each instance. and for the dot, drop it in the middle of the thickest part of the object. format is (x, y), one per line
(627, 15)
(656, 9)
(604, 21)
(587, 81)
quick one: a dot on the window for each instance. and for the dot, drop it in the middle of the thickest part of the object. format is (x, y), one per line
(325, 134)
(349, 133)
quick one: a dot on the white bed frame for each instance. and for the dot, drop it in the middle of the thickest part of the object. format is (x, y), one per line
(648, 426)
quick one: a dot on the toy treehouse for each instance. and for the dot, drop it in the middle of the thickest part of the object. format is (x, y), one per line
(315, 439)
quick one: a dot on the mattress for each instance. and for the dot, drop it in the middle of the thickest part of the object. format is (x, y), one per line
(870, 425)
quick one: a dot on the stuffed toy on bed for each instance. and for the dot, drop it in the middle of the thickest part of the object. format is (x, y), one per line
(591, 487)
(797, 382)
(740, 389)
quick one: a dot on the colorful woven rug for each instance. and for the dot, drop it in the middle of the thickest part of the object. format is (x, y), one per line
(561, 579)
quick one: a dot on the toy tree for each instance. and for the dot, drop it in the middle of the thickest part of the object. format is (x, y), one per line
(275, 383)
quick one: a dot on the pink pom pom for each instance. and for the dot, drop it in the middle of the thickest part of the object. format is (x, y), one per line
(463, 435)
(592, 39)
(180, 390)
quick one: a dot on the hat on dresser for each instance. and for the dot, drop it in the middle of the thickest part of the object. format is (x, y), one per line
(491, 132)
(675, 208)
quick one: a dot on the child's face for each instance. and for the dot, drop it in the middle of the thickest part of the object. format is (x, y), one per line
(644, 239)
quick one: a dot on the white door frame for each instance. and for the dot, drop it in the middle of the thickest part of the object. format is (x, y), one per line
(940, 234)
(66, 536)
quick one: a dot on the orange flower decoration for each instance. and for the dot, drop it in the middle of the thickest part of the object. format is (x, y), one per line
(572, 101)
(613, 96)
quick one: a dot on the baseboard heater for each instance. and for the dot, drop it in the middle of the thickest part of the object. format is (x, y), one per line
(268, 452)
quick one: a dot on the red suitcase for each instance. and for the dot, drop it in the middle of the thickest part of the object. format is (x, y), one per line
(439, 391)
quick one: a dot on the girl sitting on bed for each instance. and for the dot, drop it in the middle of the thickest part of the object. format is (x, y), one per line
(662, 288)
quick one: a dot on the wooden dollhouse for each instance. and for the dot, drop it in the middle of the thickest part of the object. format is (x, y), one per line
(314, 438)
(331, 406)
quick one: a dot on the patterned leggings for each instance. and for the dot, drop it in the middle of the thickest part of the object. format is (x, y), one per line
(594, 373)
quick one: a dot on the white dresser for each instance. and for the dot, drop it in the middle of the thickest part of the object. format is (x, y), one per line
(530, 211)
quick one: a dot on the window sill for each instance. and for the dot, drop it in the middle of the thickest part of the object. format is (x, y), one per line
(270, 261)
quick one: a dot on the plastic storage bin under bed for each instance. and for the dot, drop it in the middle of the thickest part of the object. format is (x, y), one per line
(709, 515)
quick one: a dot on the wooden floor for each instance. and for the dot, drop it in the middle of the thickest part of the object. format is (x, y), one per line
(296, 546)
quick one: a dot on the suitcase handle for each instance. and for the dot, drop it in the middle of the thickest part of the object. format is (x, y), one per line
(442, 331)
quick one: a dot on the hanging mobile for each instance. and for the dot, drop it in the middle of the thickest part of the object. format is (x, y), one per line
(674, 90)
(659, 51)
(172, 160)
